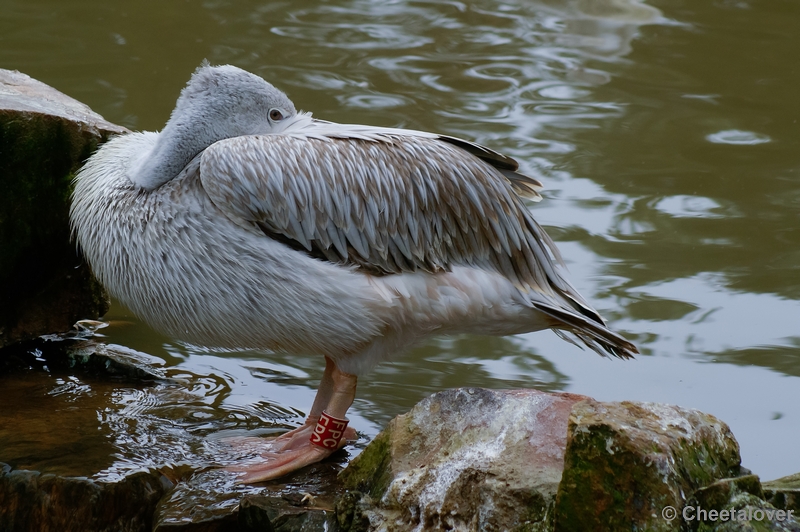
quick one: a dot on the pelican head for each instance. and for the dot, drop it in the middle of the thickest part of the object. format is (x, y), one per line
(219, 102)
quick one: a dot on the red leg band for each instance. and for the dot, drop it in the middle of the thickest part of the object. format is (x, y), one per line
(329, 431)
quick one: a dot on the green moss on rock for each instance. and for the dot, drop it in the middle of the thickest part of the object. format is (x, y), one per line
(625, 462)
(370, 472)
(735, 505)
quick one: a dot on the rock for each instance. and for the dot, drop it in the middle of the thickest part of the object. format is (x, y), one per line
(115, 361)
(44, 137)
(201, 501)
(147, 501)
(272, 514)
(626, 462)
(735, 505)
(475, 459)
(65, 353)
(784, 492)
(30, 501)
(464, 459)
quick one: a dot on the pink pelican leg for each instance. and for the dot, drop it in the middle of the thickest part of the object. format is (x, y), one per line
(294, 450)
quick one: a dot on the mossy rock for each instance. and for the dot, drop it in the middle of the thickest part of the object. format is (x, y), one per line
(735, 505)
(462, 459)
(625, 462)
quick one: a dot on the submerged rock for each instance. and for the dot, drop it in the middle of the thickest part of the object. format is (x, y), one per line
(259, 513)
(115, 361)
(464, 459)
(44, 137)
(626, 462)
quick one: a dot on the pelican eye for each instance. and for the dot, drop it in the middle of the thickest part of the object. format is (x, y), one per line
(275, 115)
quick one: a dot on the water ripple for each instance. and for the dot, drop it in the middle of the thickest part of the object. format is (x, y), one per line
(737, 137)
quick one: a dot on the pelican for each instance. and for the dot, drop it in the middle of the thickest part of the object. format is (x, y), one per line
(247, 224)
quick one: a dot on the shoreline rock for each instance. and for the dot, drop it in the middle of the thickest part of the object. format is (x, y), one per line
(467, 458)
(784, 493)
(625, 462)
(32, 501)
(44, 137)
(522, 460)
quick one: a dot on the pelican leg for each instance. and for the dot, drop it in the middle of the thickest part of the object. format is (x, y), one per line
(335, 396)
(323, 397)
(324, 392)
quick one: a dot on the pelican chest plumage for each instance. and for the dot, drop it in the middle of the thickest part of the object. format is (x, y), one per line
(247, 224)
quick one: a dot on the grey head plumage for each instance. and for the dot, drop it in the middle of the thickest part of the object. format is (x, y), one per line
(219, 102)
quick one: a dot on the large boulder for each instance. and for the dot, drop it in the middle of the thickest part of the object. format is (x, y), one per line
(44, 137)
(523, 460)
(463, 459)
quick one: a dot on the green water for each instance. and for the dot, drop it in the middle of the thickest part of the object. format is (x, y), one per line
(666, 134)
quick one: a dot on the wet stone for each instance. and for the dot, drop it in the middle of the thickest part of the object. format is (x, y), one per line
(201, 501)
(272, 514)
(30, 501)
(210, 500)
(75, 351)
(115, 361)
(44, 286)
(625, 462)
(464, 459)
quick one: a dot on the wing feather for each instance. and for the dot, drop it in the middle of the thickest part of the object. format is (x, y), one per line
(385, 202)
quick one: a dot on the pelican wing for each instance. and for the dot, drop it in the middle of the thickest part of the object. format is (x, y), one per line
(390, 201)
(386, 203)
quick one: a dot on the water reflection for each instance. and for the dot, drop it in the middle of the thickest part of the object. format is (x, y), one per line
(665, 134)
